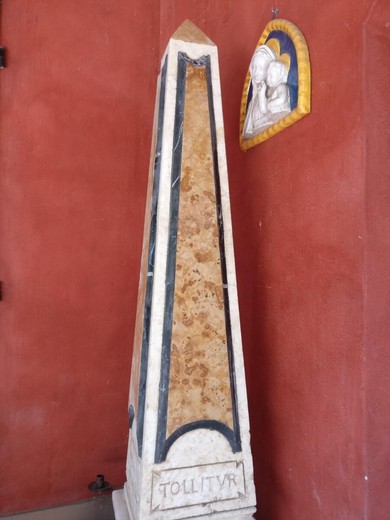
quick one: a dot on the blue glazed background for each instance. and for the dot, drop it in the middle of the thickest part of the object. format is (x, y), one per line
(287, 45)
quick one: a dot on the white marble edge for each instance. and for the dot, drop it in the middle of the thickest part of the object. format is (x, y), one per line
(231, 271)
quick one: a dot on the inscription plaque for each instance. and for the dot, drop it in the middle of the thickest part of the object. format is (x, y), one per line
(183, 487)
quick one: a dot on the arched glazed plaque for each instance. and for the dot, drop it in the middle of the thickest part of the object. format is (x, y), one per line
(276, 91)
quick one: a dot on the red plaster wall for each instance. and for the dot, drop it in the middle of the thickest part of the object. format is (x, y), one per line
(310, 216)
(76, 107)
(377, 254)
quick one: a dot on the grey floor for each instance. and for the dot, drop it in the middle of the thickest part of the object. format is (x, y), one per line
(98, 508)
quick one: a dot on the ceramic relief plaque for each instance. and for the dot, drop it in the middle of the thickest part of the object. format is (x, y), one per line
(276, 92)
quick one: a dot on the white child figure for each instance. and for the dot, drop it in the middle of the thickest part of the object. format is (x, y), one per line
(274, 95)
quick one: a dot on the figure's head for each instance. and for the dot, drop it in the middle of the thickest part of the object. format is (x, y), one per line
(261, 59)
(277, 73)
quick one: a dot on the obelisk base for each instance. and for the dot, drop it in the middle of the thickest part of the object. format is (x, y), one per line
(122, 513)
(120, 507)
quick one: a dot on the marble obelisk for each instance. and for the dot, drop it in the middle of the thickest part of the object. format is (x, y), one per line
(189, 453)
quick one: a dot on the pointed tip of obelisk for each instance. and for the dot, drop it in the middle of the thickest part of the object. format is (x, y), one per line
(189, 32)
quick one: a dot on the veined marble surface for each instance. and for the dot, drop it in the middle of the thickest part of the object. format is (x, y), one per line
(199, 384)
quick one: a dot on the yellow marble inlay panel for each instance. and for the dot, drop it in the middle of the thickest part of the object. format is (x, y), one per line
(199, 385)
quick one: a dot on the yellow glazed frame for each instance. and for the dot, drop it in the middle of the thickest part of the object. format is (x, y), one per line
(304, 85)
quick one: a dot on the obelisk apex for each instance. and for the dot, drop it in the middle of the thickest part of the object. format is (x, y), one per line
(190, 33)
(189, 453)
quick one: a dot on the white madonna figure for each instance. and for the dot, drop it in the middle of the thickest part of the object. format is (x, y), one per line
(271, 98)
(261, 59)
